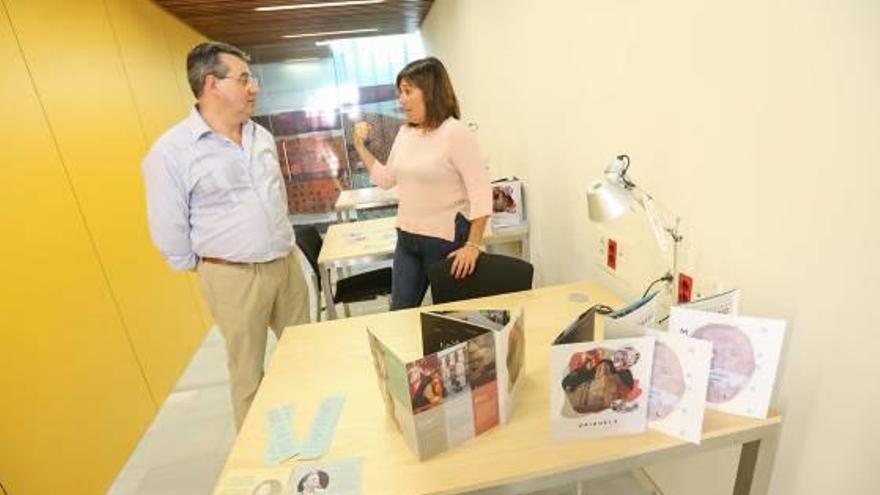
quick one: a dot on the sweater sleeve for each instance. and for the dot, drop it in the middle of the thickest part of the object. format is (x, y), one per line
(384, 175)
(467, 159)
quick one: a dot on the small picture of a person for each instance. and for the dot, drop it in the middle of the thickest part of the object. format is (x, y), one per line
(313, 482)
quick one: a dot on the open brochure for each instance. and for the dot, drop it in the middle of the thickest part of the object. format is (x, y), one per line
(508, 207)
(745, 357)
(466, 383)
(724, 302)
(598, 388)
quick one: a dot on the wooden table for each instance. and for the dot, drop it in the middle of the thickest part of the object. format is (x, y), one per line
(352, 200)
(371, 241)
(323, 359)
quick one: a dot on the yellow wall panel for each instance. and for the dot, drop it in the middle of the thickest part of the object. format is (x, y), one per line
(78, 70)
(181, 39)
(140, 31)
(73, 399)
(140, 27)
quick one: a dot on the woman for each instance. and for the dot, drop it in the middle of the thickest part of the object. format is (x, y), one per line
(313, 482)
(443, 185)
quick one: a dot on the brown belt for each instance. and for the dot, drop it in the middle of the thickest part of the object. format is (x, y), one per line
(221, 261)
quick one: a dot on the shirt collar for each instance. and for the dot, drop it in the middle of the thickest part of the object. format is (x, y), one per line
(197, 124)
(198, 127)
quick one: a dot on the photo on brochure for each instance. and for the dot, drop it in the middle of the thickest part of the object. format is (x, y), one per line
(507, 203)
(516, 353)
(338, 477)
(425, 383)
(601, 378)
(481, 360)
(453, 370)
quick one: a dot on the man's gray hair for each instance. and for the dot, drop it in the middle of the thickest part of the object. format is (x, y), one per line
(204, 60)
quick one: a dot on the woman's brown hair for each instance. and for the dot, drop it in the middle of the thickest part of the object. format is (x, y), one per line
(430, 76)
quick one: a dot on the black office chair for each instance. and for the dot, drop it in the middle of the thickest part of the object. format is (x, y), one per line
(494, 274)
(356, 288)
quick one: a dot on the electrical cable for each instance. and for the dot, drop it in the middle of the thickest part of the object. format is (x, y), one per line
(665, 278)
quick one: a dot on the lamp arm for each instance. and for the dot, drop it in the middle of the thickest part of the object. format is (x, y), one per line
(667, 221)
(661, 226)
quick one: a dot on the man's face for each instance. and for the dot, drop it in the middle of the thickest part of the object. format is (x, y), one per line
(237, 92)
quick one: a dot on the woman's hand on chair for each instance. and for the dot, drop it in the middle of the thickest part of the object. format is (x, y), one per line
(465, 260)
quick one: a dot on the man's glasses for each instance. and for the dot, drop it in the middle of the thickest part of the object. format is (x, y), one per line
(245, 79)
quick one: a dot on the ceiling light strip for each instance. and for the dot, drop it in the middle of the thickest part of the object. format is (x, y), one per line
(330, 33)
(274, 8)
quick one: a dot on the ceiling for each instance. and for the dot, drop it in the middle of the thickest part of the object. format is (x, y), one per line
(261, 33)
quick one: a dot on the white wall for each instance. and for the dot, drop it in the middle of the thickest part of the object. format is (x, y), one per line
(759, 123)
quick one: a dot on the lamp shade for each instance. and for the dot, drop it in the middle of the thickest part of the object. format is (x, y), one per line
(607, 200)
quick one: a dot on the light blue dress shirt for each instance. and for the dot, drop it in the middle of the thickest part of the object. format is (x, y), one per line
(210, 197)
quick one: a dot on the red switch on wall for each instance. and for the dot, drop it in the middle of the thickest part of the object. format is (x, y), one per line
(611, 258)
(685, 287)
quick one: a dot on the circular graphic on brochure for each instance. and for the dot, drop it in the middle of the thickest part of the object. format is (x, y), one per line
(733, 361)
(667, 383)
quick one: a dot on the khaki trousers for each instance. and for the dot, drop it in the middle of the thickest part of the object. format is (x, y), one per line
(244, 300)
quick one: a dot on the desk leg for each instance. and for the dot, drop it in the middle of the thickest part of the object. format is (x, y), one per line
(755, 466)
(328, 293)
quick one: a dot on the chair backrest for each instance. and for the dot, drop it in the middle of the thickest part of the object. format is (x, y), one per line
(309, 241)
(494, 274)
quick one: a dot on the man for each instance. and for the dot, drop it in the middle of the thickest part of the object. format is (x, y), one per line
(217, 204)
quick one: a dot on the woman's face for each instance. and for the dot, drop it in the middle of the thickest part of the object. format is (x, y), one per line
(412, 101)
(312, 482)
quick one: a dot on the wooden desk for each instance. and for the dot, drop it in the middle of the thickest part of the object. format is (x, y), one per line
(372, 241)
(363, 199)
(318, 360)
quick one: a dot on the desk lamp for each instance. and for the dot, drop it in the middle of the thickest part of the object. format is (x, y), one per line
(611, 197)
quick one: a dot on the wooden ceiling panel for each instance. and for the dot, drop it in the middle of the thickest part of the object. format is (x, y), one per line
(236, 22)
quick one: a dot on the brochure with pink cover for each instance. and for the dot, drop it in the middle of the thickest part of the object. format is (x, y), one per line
(745, 357)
